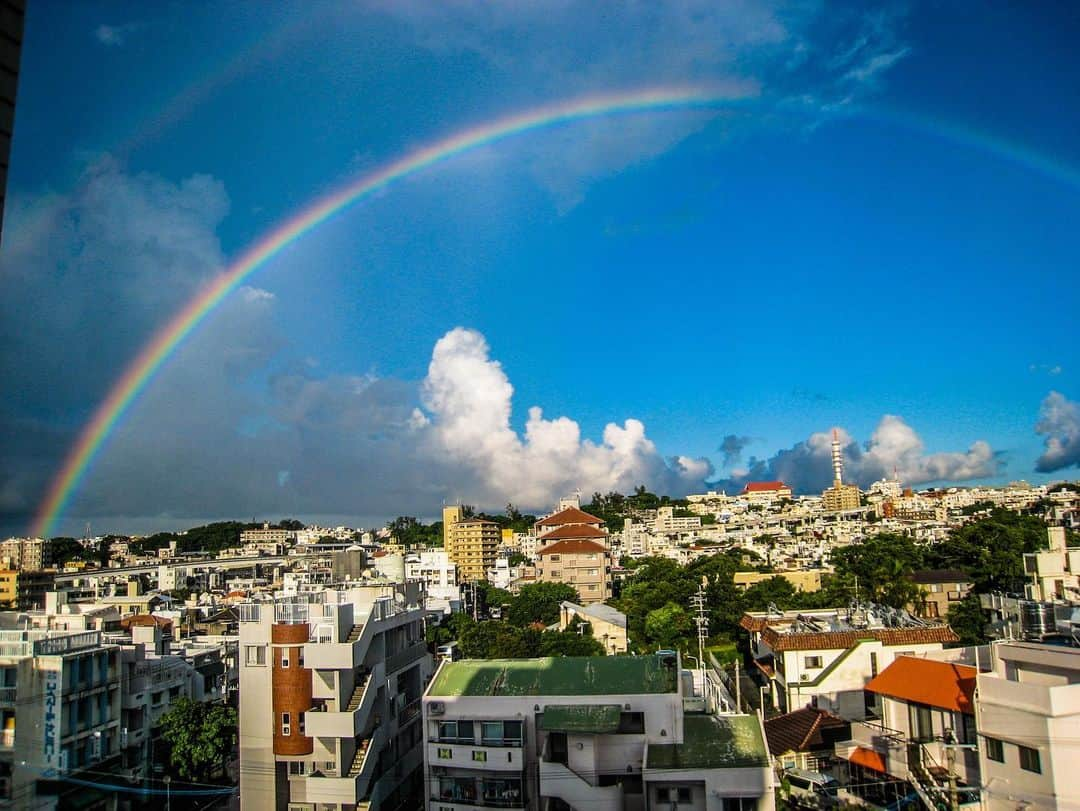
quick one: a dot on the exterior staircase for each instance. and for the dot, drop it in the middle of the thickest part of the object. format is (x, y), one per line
(354, 634)
(357, 694)
(358, 758)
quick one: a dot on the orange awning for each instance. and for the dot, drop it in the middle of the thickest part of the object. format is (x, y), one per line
(868, 758)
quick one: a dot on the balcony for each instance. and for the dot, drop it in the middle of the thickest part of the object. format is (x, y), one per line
(468, 792)
(473, 756)
(557, 780)
(1049, 702)
(406, 657)
(347, 723)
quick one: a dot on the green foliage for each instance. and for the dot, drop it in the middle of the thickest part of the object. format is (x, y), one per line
(539, 602)
(513, 519)
(776, 591)
(209, 538)
(668, 626)
(410, 532)
(576, 640)
(201, 737)
(882, 564)
(499, 640)
(968, 620)
(992, 550)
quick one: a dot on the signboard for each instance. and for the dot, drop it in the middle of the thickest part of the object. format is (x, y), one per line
(52, 709)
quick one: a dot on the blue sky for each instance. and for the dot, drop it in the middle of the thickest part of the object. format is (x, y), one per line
(858, 238)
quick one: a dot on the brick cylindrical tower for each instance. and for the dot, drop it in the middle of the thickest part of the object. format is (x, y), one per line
(290, 689)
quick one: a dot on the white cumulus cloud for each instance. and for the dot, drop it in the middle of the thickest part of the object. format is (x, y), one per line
(1059, 423)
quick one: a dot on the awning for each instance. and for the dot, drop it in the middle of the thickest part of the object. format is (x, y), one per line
(581, 718)
(212, 669)
(868, 758)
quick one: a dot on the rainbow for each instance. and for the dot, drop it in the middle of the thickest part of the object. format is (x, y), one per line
(164, 342)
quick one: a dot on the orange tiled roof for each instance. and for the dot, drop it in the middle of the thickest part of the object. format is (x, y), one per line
(837, 640)
(571, 515)
(573, 531)
(925, 681)
(574, 547)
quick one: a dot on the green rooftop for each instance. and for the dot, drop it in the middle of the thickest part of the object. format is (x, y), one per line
(711, 742)
(558, 676)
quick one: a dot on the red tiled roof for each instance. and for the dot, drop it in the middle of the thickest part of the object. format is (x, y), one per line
(571, 515)
(764, 487)
(572, 548)
(145, 619)
(839, 640)
(802, 731)
(861, 756)
(945, 685)
(573, 531)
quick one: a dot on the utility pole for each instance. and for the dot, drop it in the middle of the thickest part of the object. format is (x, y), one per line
(738, 689)
(950, 764)
(702, 621)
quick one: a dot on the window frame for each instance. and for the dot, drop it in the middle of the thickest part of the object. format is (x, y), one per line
(995, 749)
(1027, 754)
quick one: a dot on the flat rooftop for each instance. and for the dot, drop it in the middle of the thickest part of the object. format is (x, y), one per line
(555, 676)
(712, 742)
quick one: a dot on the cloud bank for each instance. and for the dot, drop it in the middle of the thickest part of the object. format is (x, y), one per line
(1059, 423)
(893, 446)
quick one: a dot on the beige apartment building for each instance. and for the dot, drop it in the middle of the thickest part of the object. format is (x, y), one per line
(472, 544)
(582, 563)
(27, 554)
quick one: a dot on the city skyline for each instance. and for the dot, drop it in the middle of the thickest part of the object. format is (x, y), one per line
(845, 229)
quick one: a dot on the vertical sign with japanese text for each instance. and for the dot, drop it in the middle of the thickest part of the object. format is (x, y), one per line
(52, 711)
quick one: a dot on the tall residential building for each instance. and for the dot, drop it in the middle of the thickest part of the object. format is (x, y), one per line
(765, 493)
(330, 688)
(583, 563)
(28, 554)
(472, 544)
(60, 710)
(603, 733)
(840, 496)
(1028, 714)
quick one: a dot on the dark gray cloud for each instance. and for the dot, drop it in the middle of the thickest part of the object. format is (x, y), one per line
(731, 448)
(1059, 423)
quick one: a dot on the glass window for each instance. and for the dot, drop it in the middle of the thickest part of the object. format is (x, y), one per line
(812, 661)
(631, 723)
(921, 723)
(662, 795)
(995, 750)
(479, 756)
(285, 657)
(1029, 759)
(684, 794)
(512, 731)
(254, 655)
(445, 753)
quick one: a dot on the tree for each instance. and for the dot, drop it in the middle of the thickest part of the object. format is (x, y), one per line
(882, 564)
(201, 737)
(776, 591)
(499, 640)
(539, 602)
(992, 550)
(291, 524)
(668, 627)
(967, 619)
(571, 642)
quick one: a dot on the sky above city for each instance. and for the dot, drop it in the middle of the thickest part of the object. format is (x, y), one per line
(871, 225)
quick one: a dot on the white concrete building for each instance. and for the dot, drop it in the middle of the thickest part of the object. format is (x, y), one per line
(825, 658)
(1028, 716)
(596, 733)
(330, 688)
(60, 709)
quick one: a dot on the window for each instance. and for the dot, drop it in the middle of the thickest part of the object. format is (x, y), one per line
(297, 767)
(553, 558)
(967, 731)
(662, 795)
(479, 757)
(684, 794)
(995, 750)
(811, 662)
(284, 657)
(445, 753)
(631, 723)
(873, 664)
(1029, 759)
(556, 574)
(255, 655)
(286, 726)
(592, 587)
(921, 723)
(456, 731)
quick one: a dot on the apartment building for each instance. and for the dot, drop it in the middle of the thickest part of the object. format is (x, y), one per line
(583, 563)
(920, 732)
(568, 516)
(267, 535)
(433, 566)
(24, 589)
(472, 544)
(330, 688)
(826, 657)
(30, 554)
(1028, 716)
(601, 733)
(60, 710)
(666, 522)
(1055, 573)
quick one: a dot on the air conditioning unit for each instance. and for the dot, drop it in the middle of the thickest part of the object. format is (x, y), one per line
(436, 708)
(804, 677)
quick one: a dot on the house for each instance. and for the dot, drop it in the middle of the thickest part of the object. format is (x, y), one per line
(602, 733)
(922, 718)
(608, 625)
(941, 590)
(805, 738)
(826, 657)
